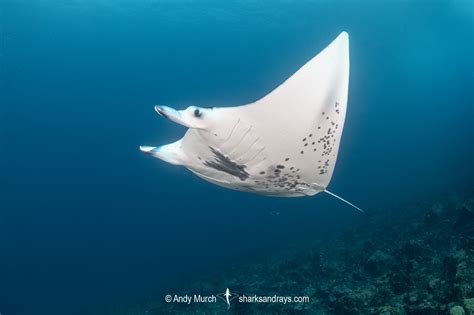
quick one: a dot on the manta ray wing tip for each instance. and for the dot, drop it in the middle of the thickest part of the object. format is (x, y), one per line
(343, 37)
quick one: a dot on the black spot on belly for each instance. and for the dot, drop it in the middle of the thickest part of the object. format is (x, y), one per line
(262, 173)
(224, 164)
(302, 152)
(280, 166)
(287, 159)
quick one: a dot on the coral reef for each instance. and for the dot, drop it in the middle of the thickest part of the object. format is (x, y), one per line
(418, 261)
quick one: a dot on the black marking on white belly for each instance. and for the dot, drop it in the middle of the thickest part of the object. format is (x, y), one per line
(225, 164)
(281, 178)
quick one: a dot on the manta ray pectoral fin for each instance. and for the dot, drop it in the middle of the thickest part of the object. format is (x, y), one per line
(170, 153)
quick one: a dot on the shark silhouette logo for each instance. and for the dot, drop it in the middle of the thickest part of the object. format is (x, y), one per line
(227, 296)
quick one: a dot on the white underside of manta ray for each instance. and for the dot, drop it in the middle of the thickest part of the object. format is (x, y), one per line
(284, 144)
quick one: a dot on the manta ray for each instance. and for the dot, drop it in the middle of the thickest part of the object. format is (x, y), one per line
(284, 144)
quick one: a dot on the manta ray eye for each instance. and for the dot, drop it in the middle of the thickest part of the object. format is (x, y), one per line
(197, 113)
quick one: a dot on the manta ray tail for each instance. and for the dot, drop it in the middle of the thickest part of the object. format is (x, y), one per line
(350, 204)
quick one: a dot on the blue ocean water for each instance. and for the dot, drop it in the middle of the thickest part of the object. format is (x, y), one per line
(86, 219)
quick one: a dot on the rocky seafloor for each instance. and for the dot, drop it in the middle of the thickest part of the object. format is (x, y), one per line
(411, 262)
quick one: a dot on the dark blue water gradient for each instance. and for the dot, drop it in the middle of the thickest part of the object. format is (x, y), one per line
(86, 219)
